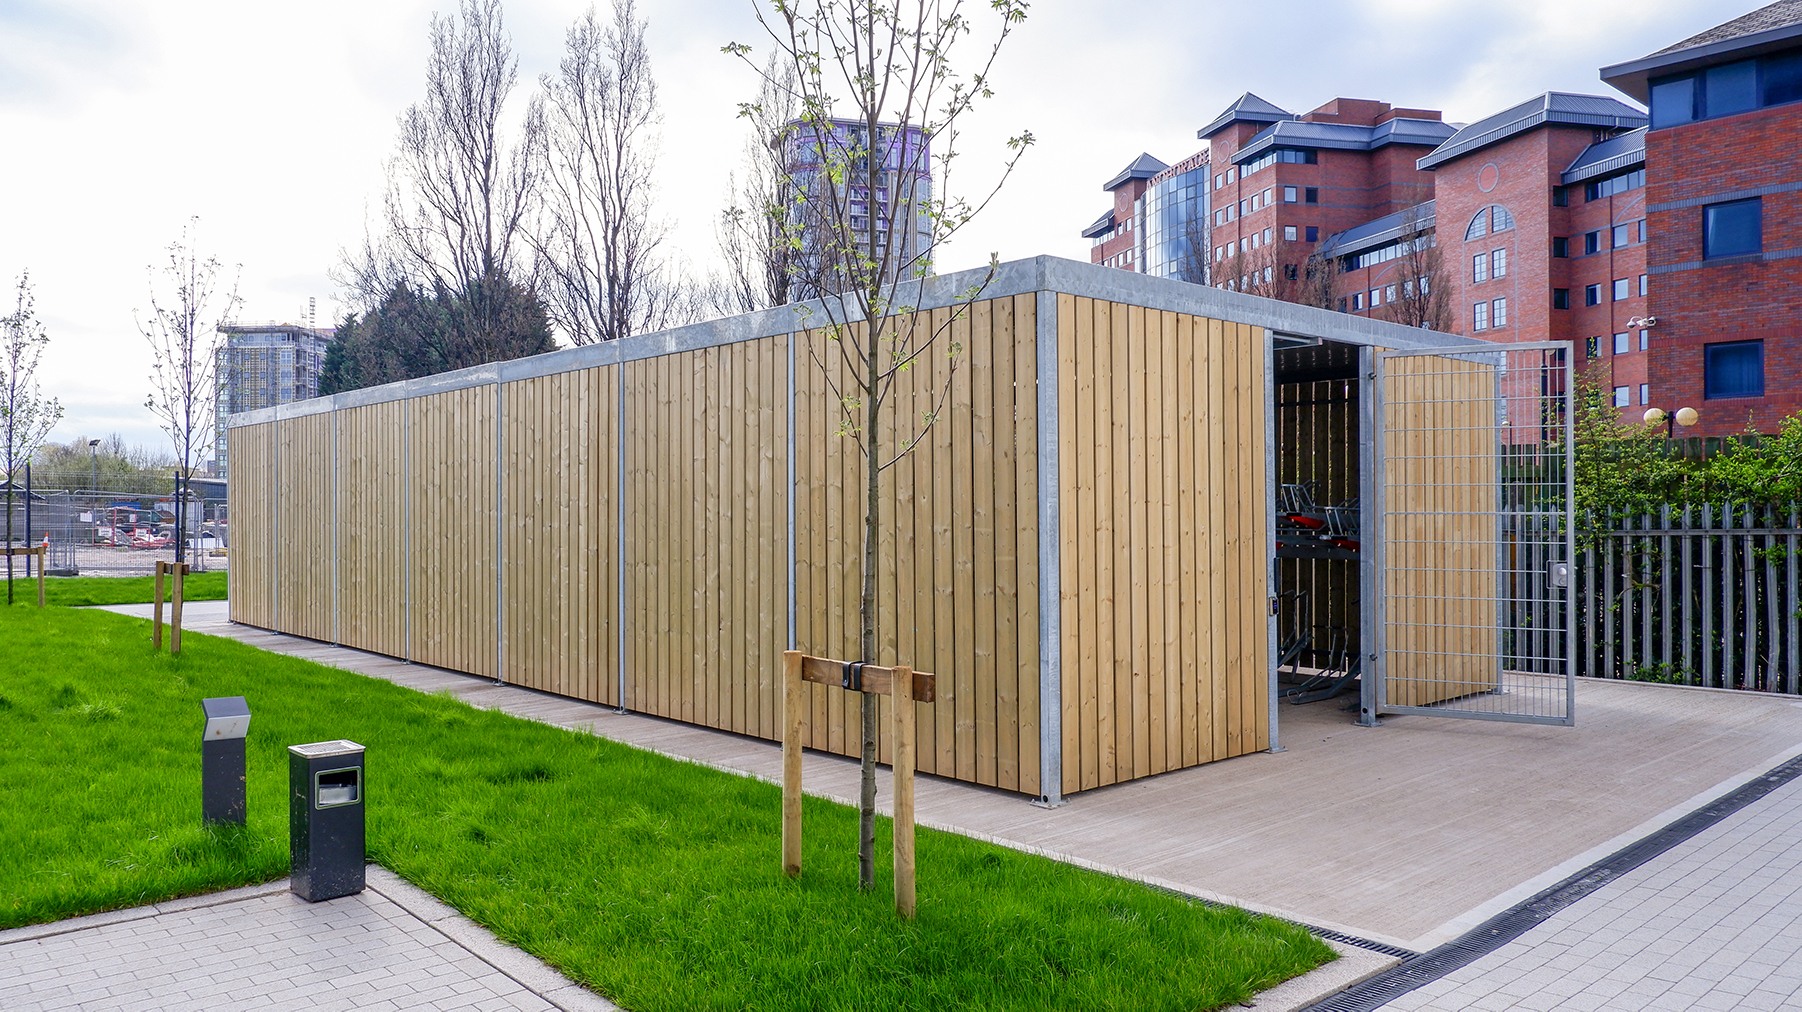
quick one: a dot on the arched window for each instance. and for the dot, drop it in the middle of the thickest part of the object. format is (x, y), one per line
(1494, 218)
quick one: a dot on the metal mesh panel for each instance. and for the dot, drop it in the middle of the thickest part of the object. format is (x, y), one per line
(1474, 507)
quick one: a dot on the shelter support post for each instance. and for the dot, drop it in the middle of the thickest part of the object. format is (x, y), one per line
(1370, 555)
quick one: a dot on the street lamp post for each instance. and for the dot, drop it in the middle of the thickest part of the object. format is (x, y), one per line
(1685, 417)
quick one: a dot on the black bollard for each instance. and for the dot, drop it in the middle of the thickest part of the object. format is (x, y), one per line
(222, 759)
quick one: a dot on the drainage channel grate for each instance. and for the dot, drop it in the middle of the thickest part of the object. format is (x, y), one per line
(1510, 924)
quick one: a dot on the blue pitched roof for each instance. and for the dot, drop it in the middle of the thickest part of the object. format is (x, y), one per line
(1248, 108)
(1768, 29)
(1604, 158)
(1552, 108)
(1343, 136)
(1142, 167)
(1378, 232)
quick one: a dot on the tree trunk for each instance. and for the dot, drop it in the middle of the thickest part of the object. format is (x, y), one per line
(872, 518)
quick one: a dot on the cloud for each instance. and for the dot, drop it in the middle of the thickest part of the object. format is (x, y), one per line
(58, 53)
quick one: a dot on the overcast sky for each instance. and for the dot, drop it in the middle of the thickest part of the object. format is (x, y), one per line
(271, 123)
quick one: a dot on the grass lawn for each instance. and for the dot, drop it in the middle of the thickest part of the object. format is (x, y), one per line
(652, 881)
(79, 591)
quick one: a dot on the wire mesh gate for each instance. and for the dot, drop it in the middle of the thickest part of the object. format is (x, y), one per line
(1474, 536)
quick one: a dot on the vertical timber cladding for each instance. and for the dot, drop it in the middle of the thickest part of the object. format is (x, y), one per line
(452, 450)
(1440, 535)
(706, 513)
(560, 565)
(252, 511)
(303, 504)
(371, 541)
(957, 578)
(1165, 570)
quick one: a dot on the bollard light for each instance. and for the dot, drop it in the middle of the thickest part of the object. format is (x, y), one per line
(222, 759)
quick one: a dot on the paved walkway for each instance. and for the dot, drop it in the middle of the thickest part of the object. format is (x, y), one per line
(1713, 923)
(389, 948)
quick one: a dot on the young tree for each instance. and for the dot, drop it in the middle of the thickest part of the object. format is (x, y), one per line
(25, 413)
(183, 331)
(602, 271)
(1423, 295)
(879, 104)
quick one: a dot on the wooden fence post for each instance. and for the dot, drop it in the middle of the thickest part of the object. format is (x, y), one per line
(902, 692)
(42, 557)
(181, 572)
(791, 762)
(156, 615)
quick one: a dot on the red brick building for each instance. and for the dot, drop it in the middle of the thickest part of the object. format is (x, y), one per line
(1660, 247)
(1724, 207)
(1282, 183)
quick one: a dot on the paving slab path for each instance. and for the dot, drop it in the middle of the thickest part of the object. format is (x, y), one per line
(389, 948)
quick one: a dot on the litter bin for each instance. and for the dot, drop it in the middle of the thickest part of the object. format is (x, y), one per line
(325, 819)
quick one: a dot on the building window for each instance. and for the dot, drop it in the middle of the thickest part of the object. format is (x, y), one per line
(1673, 102)
(1501, 312)
(1288, 233)
(1291, 194)
(1620, 344)
(1592, 295)
(1479, 268)
(1342, 305)
(1358, 302)
(1642, 286)
(1560, 298)
(1645, 340)
(1389, 293)
(1498, 263)
(1560, 196)
(1614, 184)
(1245, 207)
(1592, 242)
(1735, 369)
(1620, 397)
(1229, 175)
(1560, 246)
(1266, 237)
(1623, 287)
(1267, 192)
(1733, 228)
(1645, 394)
(1219, 181)
(1592, 346)
(1478, 227)
(1480, 316)
(1289, 272)
(1642, 230)
(1376, 298)
(1312, 195)
(1313, 233)
(1622, 236)
(1727, 89)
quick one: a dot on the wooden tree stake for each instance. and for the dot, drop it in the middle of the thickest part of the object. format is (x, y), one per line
(791, 762)
(156, 632)
(904, 790)
(181, 572)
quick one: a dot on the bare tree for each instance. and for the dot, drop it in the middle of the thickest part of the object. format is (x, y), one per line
(1273, 270)
(454, 215)
(603, 275)
(876, 218)
(1423, 296)
(1195, 265)
(28, 417)
(183, 331)
(753, 232)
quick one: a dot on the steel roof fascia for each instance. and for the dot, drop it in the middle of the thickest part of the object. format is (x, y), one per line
(1016, 277)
